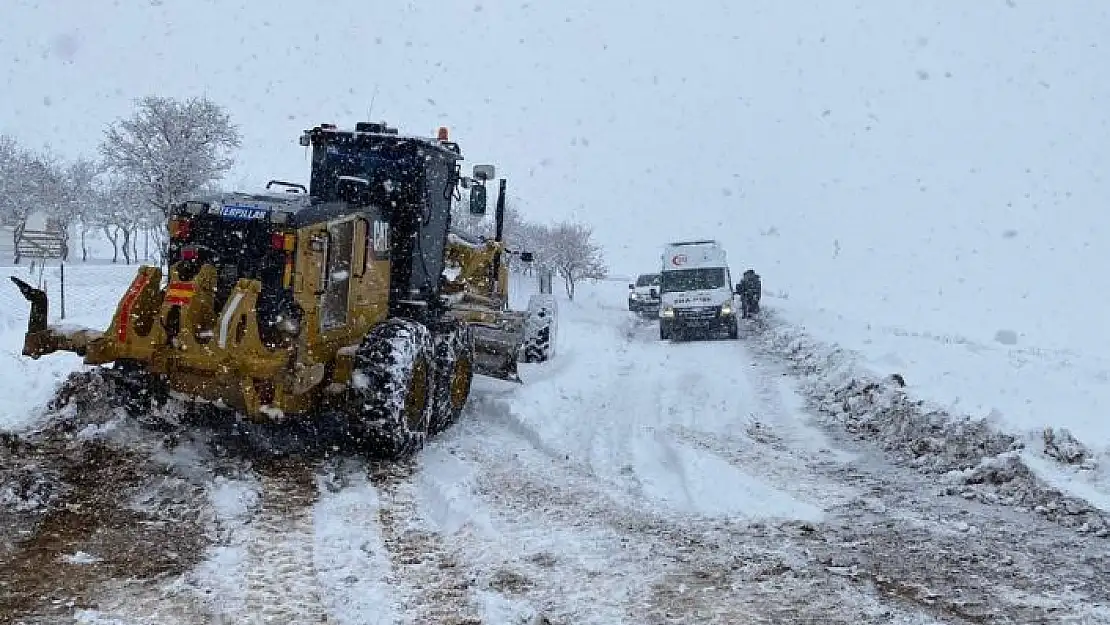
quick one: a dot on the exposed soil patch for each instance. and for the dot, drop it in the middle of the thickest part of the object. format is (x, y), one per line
(79, 524)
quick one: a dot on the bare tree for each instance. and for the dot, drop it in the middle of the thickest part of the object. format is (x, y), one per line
(111, 232)
(569, 250)
(122, 211)
(170, 149)
(86, 197)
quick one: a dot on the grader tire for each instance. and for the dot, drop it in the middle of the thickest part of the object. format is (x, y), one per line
(392, 390)
(454, 360)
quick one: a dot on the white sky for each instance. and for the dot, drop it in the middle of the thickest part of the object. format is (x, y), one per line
(873, 133)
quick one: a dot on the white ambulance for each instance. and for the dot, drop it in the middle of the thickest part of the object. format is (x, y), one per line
(695, 289)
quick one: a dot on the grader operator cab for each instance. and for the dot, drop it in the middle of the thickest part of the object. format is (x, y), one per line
(327, 301)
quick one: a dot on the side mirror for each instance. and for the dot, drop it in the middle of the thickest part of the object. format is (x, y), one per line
(484, 172)
(478, 200)
(354, 190)
(631, 286)
(527, 257)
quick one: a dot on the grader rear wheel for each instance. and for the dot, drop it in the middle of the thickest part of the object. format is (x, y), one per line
(416, 397)
(454, 374)
(460, 384)
(392, 402)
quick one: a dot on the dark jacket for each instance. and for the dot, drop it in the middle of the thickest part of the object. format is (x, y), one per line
(750, 285)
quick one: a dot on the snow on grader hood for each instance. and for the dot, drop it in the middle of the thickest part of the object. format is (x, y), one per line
(327, 297)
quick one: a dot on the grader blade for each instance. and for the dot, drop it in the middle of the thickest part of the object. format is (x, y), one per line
(495, 351)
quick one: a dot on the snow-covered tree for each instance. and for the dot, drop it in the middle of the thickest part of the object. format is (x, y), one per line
(122, 215)
(569, 249)
(13, 192)
(57, 197)
(86, 197)
(169, 149)
(9, 155)
(30, 182)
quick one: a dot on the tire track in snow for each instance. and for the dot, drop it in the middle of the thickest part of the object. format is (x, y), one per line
(149, 602)
(262, 568)
(649, 556)
(778, 443)
(280, 574)
(634, 564)
(567, 548)
(433, 585)
(956, 560)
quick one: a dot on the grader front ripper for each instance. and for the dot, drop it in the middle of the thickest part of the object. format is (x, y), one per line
(326, 299)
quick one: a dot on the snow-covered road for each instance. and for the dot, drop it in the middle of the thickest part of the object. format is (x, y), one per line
(626, 481)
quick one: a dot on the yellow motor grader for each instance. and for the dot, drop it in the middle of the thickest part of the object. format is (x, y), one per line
(328, 300)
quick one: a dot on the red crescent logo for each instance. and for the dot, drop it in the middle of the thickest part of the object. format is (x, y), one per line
(678, 259)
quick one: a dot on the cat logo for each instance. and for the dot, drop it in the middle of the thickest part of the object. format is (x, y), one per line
(381, 238)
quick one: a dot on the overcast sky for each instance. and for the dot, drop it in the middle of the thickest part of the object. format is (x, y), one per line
(819, 130)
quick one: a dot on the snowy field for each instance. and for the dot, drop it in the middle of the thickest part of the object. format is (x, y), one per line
(92, 292)
(625, 481)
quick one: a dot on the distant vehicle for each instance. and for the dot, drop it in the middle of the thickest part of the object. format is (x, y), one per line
(696, 291)
(643, 295)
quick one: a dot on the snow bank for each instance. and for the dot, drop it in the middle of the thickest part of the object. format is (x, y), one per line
(1022, 388)
(976, 457)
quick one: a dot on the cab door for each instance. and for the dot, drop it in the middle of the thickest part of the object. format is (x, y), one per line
(335, 295)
